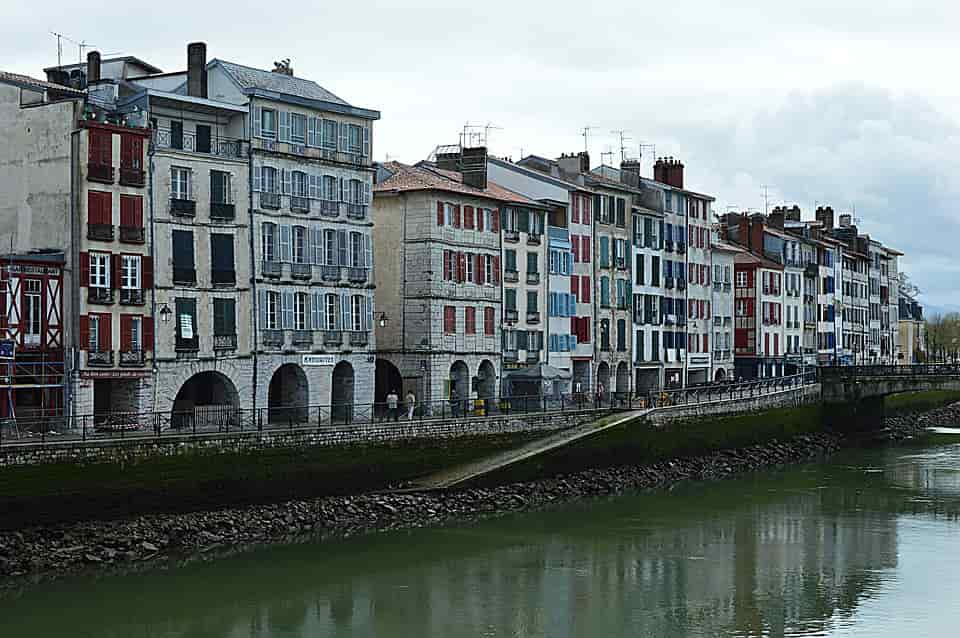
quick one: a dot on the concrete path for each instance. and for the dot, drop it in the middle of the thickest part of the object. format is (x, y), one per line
(453, 476)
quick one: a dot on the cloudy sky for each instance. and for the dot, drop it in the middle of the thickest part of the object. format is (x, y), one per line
(852, 105)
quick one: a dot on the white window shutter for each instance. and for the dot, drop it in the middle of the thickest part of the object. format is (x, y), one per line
(284, 126)
(311, 131)
(287, 310)
(342, 247)
(262, 303)
(287, 178)
(307, 312)
(368, 251)
(343, 189)
(257, 115)
(316, 310)
(366, 193)
(257, 179)
(285, 243)
(368, 302)
(366, 141)
(345, 311)
(344, 137)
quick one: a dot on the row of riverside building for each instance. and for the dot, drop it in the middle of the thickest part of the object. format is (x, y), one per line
(188, 241)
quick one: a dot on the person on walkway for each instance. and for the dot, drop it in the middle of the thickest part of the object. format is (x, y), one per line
(599, 394)
(411, 400)
(393, 405)
(454, 402)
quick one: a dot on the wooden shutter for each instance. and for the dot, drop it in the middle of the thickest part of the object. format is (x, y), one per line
(366, 141)
(575, 243)
(439, 213)
(456, 216)
(286, 310)
(461, 267)
(126, 325)
(106, 332)
(84, 269)
(257, 117)
(285, 243)
(368, 305)
(345, 311)
(468, 217)
(496, 270)
(284, 117)
(480, 218)
(115, 271)
(146, 272)
(495, 220)
(147, 337)
(84, 332)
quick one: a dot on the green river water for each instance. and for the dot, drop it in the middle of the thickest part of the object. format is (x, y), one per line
(865, 544)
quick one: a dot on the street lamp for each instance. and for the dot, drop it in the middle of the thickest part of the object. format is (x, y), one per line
(382, 319)
(165, 313)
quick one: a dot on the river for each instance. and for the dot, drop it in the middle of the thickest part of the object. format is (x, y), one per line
(864, 544)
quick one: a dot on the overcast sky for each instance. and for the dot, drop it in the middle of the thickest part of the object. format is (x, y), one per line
(855, 106)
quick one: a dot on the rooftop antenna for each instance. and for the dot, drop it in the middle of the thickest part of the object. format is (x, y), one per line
(60, 38)
(766, 199)
(624, 138)
(585, 134)
(607, 153)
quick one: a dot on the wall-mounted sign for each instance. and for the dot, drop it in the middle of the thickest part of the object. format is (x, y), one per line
(8, 348)
(314, 360)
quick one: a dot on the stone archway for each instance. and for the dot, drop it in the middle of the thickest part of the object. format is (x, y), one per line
(603, 377)
(720, 375)
(459, 387)
(623, 379)
(206, 400)
(487, 385)
(288, 395)
(341, 393)
(386, 378)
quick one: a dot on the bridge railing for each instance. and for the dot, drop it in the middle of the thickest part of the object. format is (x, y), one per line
(225, 419)
(912, 370)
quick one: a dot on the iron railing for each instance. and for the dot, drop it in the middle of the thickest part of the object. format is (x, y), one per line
(188, 141)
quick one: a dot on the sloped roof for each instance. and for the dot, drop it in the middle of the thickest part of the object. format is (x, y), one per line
(748, 257)
(27, 82)
(426, 177)
(250, 78)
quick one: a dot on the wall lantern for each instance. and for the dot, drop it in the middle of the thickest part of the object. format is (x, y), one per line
(165, 313)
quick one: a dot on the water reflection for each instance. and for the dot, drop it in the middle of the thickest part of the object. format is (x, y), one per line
(788, 553)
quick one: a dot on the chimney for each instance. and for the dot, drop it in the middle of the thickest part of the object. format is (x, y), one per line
(668, 171)
(584, 161)
(630, 173)
(473, 167)
(197, 69)
(755, 243)
(570, 165)
(825, 217)
(776, 218)
(93, 67)
(792, 214)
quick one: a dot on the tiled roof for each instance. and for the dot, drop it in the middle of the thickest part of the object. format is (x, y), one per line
(28, 82)
(426, 177)
(251, 78)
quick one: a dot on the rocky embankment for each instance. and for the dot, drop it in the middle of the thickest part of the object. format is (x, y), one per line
(37, 554)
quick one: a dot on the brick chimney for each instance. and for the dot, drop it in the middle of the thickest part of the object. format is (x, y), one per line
(755, 241)
(668, 171)
(824, 215)
(197, 69)
(571, 165)
(776, 217)
(630, 172)
(792, 214)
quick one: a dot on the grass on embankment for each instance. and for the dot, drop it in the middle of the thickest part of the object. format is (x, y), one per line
(919, 401)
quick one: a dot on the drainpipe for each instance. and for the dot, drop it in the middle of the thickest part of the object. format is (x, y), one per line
(74, 261)
(253, 263)
(153, 293)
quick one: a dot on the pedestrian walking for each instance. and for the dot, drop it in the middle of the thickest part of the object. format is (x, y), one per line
(411, 400)
(393, 405)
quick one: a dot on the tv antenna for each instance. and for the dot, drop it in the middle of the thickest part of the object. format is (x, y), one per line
(476, 134)
(81, 45)
(607, 153)
(585, 134)
(766, 198)
(624, 138)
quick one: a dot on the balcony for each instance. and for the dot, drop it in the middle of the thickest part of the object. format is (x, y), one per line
(329, 209)
(301, 271)
(100, 232)
(102, 173)
(510, 355)
(534, 239)
(188, 141)
(533, 278)
(330, 273)
(222, 212)
(717, 286)
(344, 157)
(668, 245)
(187, 346)
(511, 276)
(225, 342)
(131, 296)
(223, 278)
(621, 263)
(332, 338)
(270, 201)
(533, 356)
(302, 338)
(132, 234)
(299, 204)
(356, 211)
(184, 276)
(100, 358)
(132, 358)
(726, 286)
(681, 247)
(273, 338)
(359, 338)
(668, 283)
(357, 275)
(271, 269)
(681, 284)
(533, 317)
(512, 236)
(132, 176)
(510, 314)
(183, 207)
(99, 295)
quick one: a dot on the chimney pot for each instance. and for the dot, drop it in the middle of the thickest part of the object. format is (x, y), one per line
(93, 67)
(197, 69)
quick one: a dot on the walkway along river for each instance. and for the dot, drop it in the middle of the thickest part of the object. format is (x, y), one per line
(862, 544)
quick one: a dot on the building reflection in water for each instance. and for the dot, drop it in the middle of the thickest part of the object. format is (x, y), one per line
(790, 553)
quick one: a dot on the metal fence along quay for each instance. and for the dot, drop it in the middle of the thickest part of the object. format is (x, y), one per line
(221, 420)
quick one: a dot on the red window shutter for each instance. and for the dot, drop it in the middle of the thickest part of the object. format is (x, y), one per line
(479, 219)
(478, 269)
(496, 270)
(488, 321)
(84, 332)
(131, 151)
(126, 212)
(115, 271)
(706, 343)
(147, 333)
(106, 332)
(99, 207)
(586, 209)
(446, 265)
(586, 323)
(456, 216)
(585, 289)
(146, 274)
(126, 326)
(575, 243)
(84, 269)
(461, 266)
(495, 220)
(575, 286)
(439, 213)
(576, 209)
(468, 217)
(585, 256)
(573, 325)
(100, 147)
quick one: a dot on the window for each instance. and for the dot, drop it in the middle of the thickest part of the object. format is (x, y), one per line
(100, 151)
(224, 317)
(533, 264)
(268, 123)
(532, 301)
(186, 310)
(470, 320)
(300, 311)
(470, 274)
(268, 241)
(298, 184)
(488, 270)
(488, 316)
(330, 242)
(131, 211)
(176, 134)
(621, 335)
(510, 257)
(131, 152)
(298, 128)
(354, 139)
(202, 139)
(330, 188)
(99, 270)
(271, 312)
(447, 214)
(32, 311)
(130, 272)
(741, 279)
(449, 320)
(330, 134)
(268, 180)
(332, 310)
(183, 264)
(510, 298)
(356, 250)
(355, 194)
(131, 333)
(221, 258)
(179, 182)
